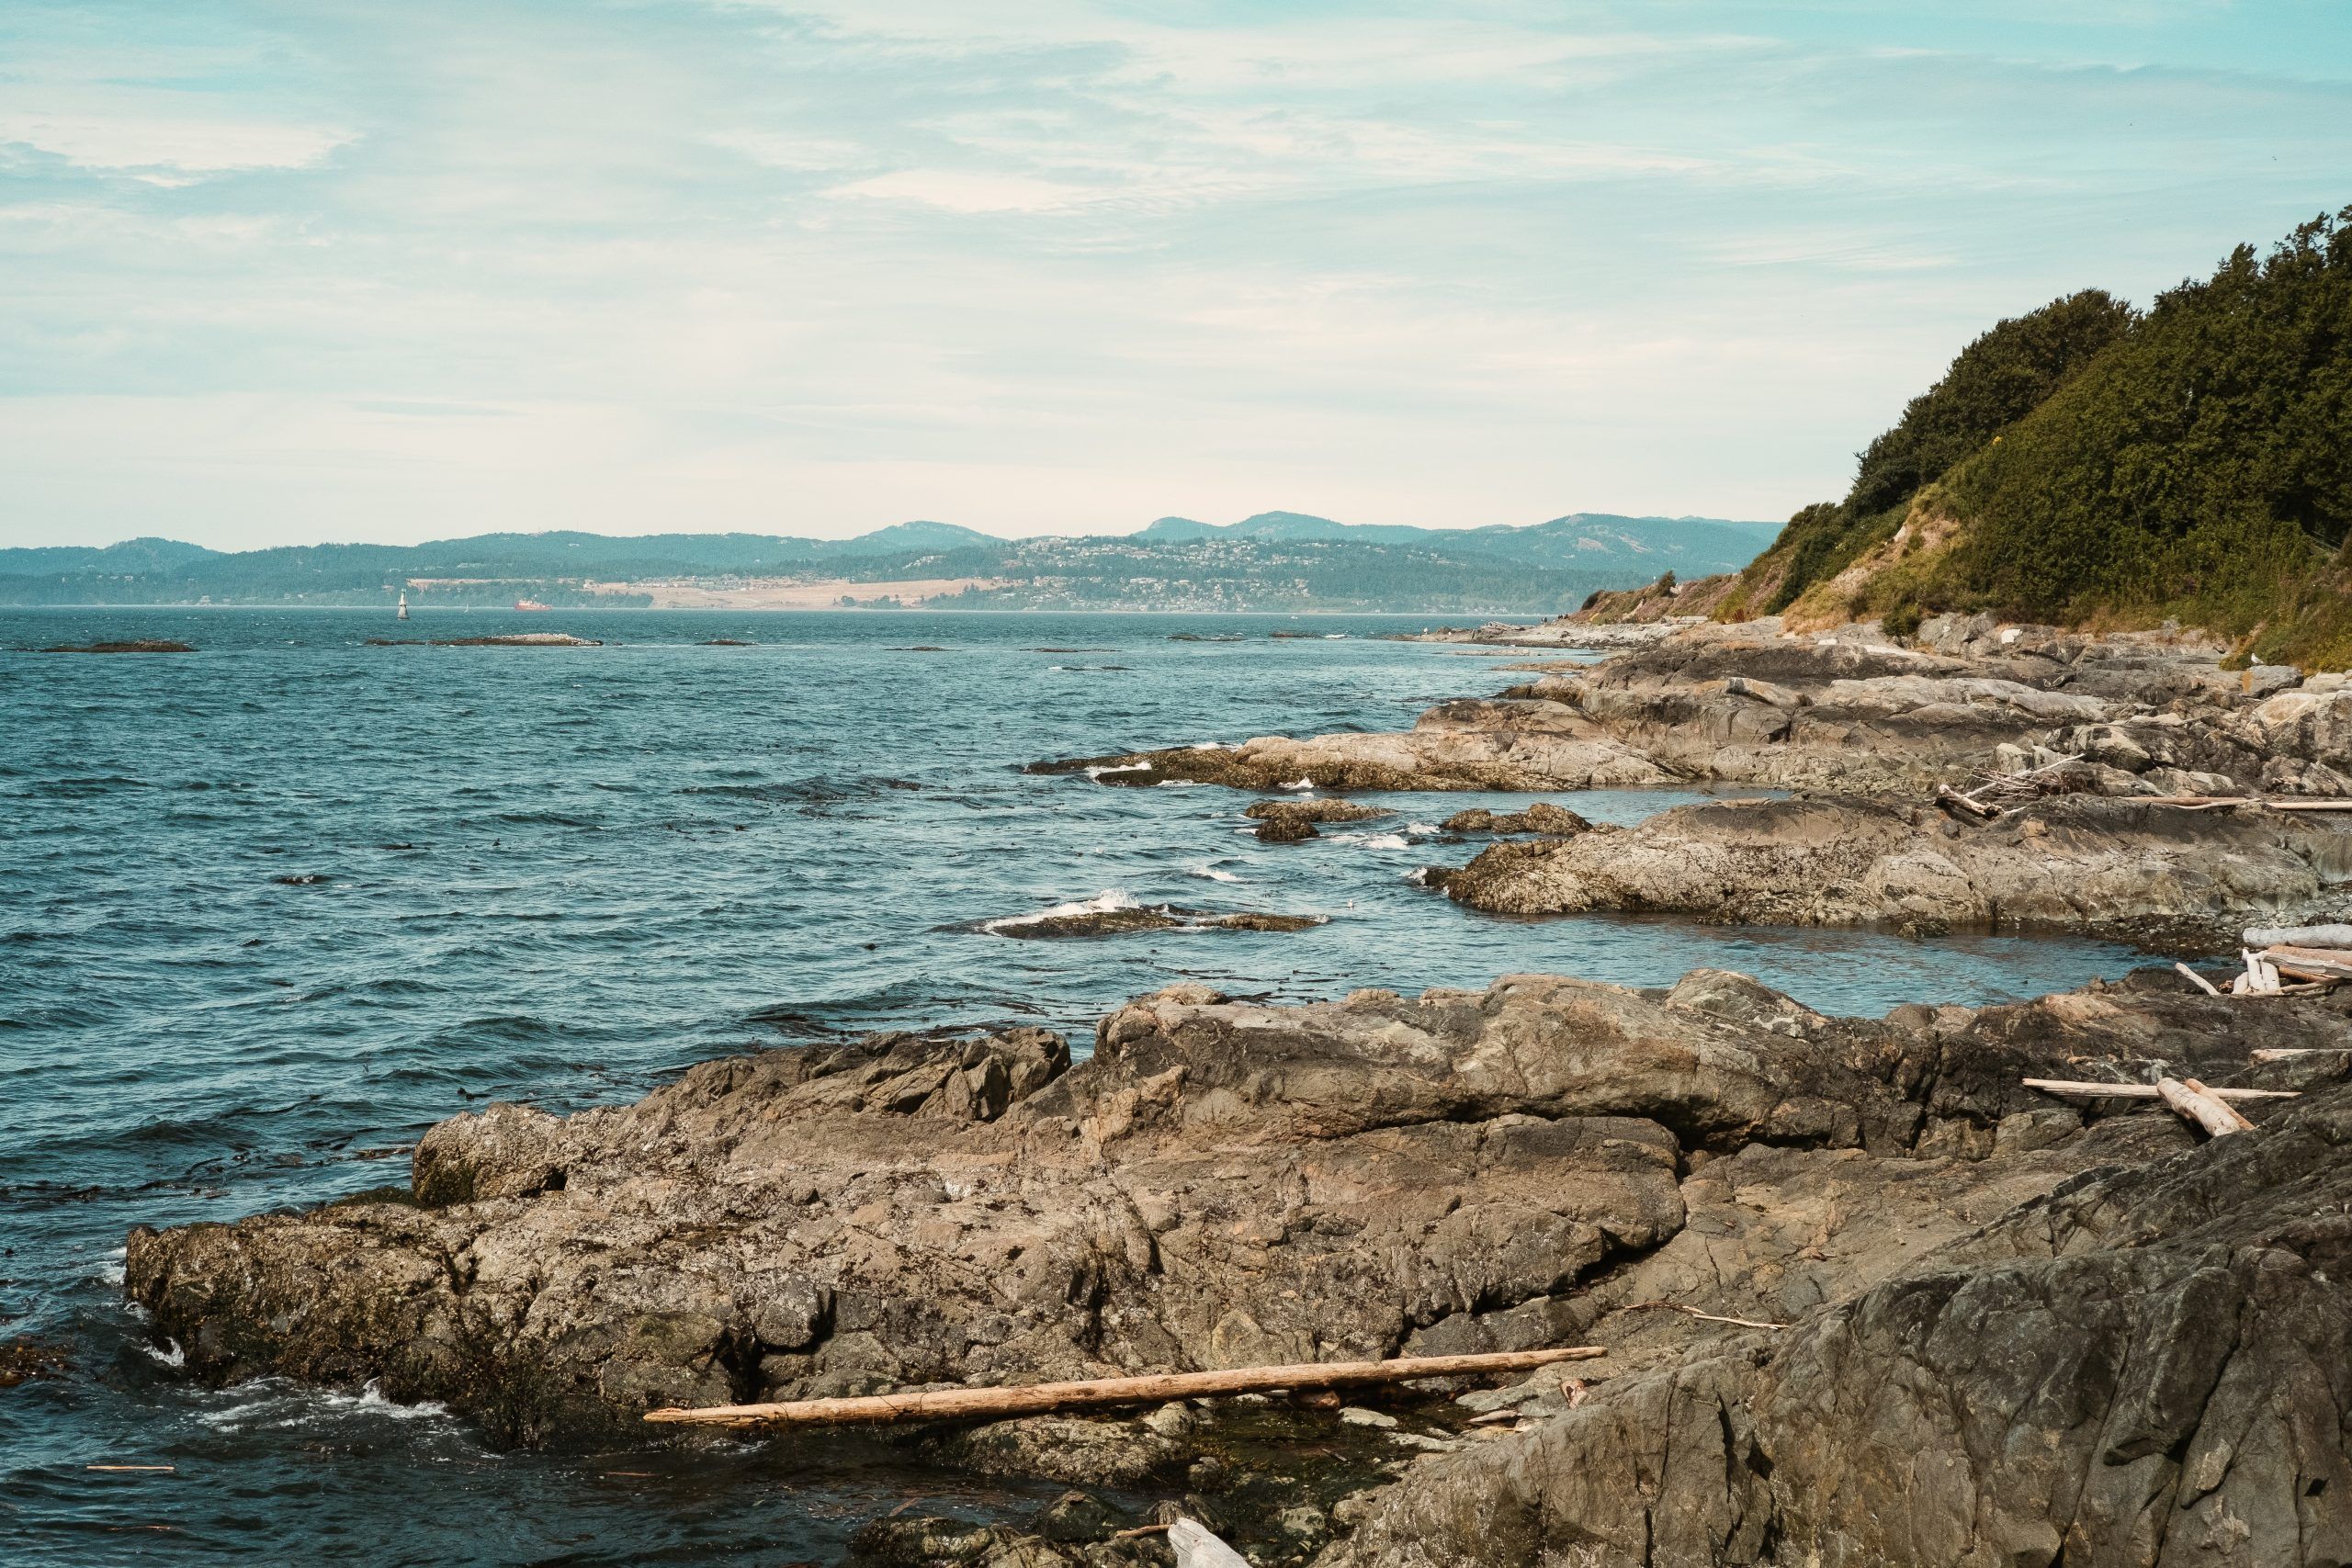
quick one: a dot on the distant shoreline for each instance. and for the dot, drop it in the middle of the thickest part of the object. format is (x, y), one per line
(1533, 617)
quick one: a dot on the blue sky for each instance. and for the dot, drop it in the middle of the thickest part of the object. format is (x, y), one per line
(277, 273)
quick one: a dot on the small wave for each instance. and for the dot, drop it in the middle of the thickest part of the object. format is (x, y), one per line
(1211, 746)
(1210, 873)
(1103, 903)
(1419, 876)
(1099, 770)
(1426, 829)
(275, 1405)
(1373, 840)
(174, 1357)
(1297, 784)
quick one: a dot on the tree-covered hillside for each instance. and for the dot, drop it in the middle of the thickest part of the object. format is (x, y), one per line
(2085, 464)
(1272, 561)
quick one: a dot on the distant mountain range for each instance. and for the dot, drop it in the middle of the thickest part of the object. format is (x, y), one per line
(1273, 560)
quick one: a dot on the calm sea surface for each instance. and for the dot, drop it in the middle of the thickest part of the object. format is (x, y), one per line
(269, 910)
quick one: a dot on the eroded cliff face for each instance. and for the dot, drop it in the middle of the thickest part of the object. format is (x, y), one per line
(2007, 1311)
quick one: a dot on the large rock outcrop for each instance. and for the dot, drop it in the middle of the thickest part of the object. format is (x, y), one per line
(2080, 861)
(2146, 1365)
(1843, 713)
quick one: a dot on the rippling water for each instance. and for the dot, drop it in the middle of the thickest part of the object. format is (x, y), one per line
(270, 909)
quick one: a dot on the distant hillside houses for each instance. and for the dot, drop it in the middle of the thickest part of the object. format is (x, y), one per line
(1275, 560)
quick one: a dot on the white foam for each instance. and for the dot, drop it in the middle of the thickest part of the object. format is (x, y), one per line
(175, 1357)
(277, 1405)
(1297, 784)
(1211, 746)
(1426, 829)
(1373, 840)
(1102, 903)
(1419, 876)
(1211, 873)
(1097, 772)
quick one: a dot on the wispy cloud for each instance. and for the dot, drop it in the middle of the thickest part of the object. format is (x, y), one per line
(820, 264)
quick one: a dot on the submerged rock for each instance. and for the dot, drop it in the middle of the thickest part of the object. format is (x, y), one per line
(23, 1359)
(1292, 821)
(1555, 822)
(140, 647)
(519, 640)
(1105, 918)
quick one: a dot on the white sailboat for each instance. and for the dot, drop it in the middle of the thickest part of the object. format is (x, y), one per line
(403, 612)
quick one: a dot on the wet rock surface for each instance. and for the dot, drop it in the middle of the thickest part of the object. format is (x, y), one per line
(2117, 750)
(1847, 713)
(2009, 1326)
(1554, 821)
(2084, 863)
(1293, 821)
(1121, 920)
(148, 647)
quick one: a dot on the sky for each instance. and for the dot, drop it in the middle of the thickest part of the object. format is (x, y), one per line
(285, 273)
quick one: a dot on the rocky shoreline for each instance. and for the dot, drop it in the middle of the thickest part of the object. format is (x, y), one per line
(1865, 1296)
(2151, 765)
(1548, 1161)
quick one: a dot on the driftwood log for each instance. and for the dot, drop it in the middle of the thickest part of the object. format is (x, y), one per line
(1154, 1388)
(2315, 964)
(1197, 1547)
(2299, 936)
(2194, 1101)
(2201, 983)
(2147, 1090)
(1968, 805)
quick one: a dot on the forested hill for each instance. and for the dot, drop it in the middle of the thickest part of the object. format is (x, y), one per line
(1275, 560)
(2089, 463)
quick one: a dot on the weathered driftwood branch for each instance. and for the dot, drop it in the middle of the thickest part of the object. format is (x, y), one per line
(2147, 1090)
(1702, 1317)
(2261, 978)
(2315, 962)
(1197, 1547)
(2201, 983)
(2194, 1101)
(1155, 1388)
(2206, 801)
(2299, 936)
(1967, 804)
(2287, 1053)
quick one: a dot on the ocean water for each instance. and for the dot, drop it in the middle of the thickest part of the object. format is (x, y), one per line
(270, 909)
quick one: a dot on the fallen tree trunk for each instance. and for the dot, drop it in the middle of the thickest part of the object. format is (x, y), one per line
(2299, 936)
(2202, 984)
(2196, 1103)
(2147, 1090)
(2318, 964)
(1153, 1388)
